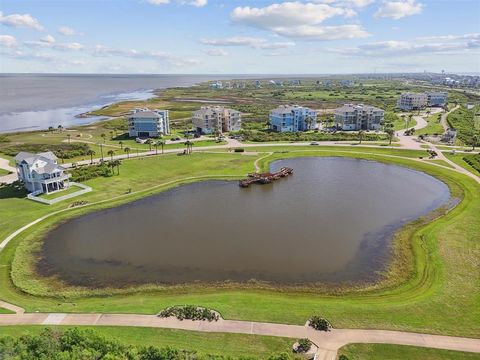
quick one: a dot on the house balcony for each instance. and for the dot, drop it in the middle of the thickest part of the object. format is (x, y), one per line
(55, 179)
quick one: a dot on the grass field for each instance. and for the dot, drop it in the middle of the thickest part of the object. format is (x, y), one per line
(204, 343)
(433, 126)
(4, 172)
(5, 311)
(458, 159)
(401, 352)
(72, 189)
(440, 257)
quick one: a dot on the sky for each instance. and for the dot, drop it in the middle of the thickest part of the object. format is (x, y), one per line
(239, 36)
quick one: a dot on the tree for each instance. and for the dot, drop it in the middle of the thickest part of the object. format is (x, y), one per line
(189, 146)
(409, 119)
(117, 164)
(127, 150)
(161, 143)
(360, 136)
(103, 136)
(101, 151)
(68, 137)
(155, 145)
(60, 128)
(61, 155)
(390, 132)
(111, 135)
(403, 118)
(121, 144)
(91, 153)
(149, 142)
(309, 122)
(474, 141)
(111, 153)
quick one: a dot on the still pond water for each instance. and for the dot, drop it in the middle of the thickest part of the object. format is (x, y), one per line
(332, 221)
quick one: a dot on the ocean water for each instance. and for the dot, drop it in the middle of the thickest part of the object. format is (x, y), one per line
(37, 101)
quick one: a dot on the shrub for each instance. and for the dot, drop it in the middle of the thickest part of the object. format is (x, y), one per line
(88, 172)
(303, 345)
(343, 357)
(319, 323)
(63, 150)
(239, 150)
(189, 312)
(473, 161)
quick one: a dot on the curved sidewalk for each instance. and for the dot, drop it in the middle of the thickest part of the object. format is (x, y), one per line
(328, 342)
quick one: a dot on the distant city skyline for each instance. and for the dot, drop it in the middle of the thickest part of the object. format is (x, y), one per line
(239, 36)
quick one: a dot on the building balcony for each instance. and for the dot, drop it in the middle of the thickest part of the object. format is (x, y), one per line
(55, 179)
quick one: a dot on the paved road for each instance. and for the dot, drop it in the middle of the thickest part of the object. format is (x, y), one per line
(327, 342)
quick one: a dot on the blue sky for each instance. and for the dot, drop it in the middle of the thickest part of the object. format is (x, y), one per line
(239, 36)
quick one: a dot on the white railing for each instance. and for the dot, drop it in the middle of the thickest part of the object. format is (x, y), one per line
(34, 195)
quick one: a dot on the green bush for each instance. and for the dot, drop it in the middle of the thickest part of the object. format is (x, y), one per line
(189, 312)
(319, 323)
(88, 172)
(239, 150)
(343, 357)
(265, 136)
(303, 345)
(63, 150)
(473, 161)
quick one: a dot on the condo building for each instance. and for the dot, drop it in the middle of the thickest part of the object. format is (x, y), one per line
(359, 117)
(417, 101)
(209, 119)
(148, 123)
(292, 118)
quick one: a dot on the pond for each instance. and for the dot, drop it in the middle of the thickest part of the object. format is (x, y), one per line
(331, 221)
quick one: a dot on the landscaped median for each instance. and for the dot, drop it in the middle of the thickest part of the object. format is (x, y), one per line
(431, 285)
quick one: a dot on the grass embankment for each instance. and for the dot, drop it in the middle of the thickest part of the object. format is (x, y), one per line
(402, 352)
(203, 343)
(434, 125)
(458, 159)
(466, 122)
(4, 172)
(5, 311)
(439, 296)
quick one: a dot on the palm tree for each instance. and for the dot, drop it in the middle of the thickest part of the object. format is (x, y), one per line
(91, 153)
(60, 128)
(101, 150)
(103, 137)
(309, 122)
(61, 155)
(409, 119)
(111, 153)
(117, 163)
(189, 146)
(121, 144)
(390, 132)
(111, 135)
(68, 136)
(161, 143)
(360, 136)
(403, 118)
(127, 150)
(149, 142)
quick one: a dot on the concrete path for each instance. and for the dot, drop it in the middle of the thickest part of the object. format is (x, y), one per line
(327, 342)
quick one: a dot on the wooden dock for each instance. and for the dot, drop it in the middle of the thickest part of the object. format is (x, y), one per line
(265, 178)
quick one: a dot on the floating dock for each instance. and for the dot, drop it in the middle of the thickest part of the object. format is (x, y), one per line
(265, 178)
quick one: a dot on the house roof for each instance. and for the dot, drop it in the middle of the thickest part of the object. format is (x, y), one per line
(147, 114)
(352, 107)
(30, 158)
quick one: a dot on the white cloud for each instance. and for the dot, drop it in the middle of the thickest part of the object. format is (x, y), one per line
(299, 20)
(19, 20)
(167, 58)
(397, 48)
(66, 31)
(49, 39)
(256, 43)
(216, 52)
(196, 3)
(346, 3)
(399, 9)
(159, 2)
(8, 41)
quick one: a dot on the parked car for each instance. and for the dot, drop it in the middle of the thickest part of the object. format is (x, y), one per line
(314, 143)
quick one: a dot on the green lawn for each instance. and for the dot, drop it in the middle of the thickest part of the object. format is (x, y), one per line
(72, 189)
(433, 126)
(435, 296)
(5, 311)
(4, 172)
(402, 352)
(441, 162)
(458, 159)
(204, 343)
